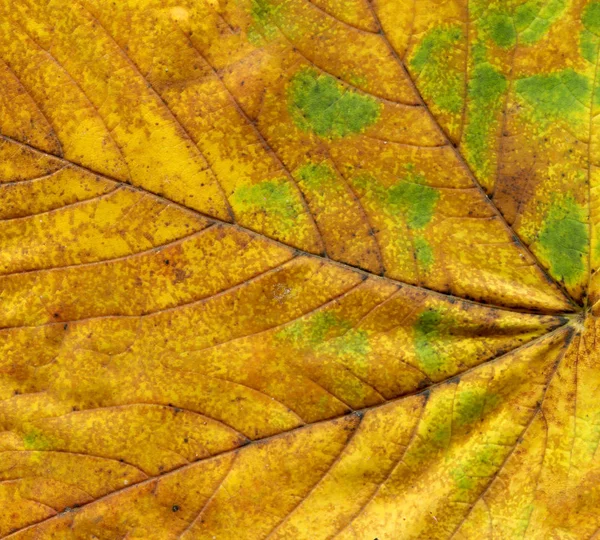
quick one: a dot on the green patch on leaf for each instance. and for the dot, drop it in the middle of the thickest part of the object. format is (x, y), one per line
(314, 330)
(486, 88)
(589, 38)
(462, 480)
(500, 28)
(415, 201)
(34, 439)
(327, 332)
(315, 175)
(321, 104)
(438, 81)
(423, 252)
(354, 343)
(471, 404)
(480, 465)
(478, 52)
(564, 95)
(530, 21)
(564, 240)
(535, 17)
(428, 329)
(275, 199)
(410, 198)
(588, 45)
(263, 27)
(591, 17)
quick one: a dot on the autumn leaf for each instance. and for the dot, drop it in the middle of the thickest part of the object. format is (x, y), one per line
(299, 269)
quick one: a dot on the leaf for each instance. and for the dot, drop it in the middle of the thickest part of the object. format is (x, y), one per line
(299, 269)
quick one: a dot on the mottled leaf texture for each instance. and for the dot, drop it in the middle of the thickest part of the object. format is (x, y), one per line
(299, 269)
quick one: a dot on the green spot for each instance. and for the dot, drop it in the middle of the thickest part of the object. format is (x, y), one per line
(500, 28)
(470, 405)
(410, 198)
(428, 323)
(588, 45)
(486, 88)
(591, 17)
(479, 53)
(486, 85)
(427, 331)
(596, 96)
(438, 80)
(321, 104)
(440, 436)
(327, 332)
(461, 480)
(564, 95)
(274, 198)
(263, 14)
(535, 17)
(353, 343)
(313, 330)
(589, 38)
(564, 240)
(479, 465)
(315, 175)
(35, 440)
(415, 201)
(438, 429)
(478, 9)
(424, 253)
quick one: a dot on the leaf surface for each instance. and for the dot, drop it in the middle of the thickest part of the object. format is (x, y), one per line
(299, 269)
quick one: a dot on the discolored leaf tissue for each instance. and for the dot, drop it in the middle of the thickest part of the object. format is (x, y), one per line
(299, 269)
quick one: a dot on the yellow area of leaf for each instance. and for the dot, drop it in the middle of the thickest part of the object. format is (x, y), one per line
(411, 461)
(295, 269)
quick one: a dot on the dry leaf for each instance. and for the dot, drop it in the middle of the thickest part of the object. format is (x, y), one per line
(299, 269)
